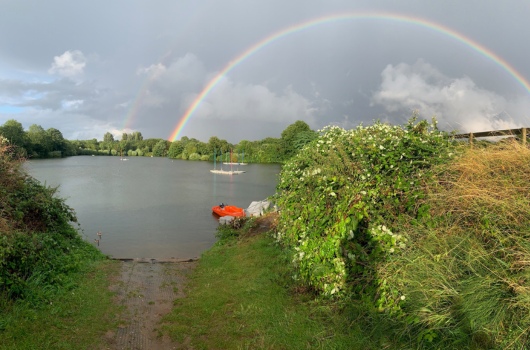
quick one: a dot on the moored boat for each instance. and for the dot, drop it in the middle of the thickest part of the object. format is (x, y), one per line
(228, 210)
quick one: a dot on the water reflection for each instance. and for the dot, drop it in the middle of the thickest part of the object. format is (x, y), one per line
(151, 207)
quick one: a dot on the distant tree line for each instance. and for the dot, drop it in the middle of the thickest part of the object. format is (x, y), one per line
(39, 143)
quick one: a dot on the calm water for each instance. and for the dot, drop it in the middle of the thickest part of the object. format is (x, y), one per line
(151, 207)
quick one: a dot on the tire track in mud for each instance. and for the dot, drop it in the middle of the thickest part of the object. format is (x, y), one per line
(146, 288)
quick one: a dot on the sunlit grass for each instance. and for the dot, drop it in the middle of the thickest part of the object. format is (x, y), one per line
(242, 296)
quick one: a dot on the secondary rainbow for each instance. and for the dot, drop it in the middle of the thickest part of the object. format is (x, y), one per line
(337, 18)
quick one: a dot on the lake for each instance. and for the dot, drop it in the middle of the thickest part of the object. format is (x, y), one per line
(151, 207)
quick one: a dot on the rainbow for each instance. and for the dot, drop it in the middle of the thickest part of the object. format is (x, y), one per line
(337, 18)
(190, 13)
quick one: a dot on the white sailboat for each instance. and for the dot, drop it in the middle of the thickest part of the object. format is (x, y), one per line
(221, 171)
(237, 163)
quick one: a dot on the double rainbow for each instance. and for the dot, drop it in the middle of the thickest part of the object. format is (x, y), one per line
(423, 23)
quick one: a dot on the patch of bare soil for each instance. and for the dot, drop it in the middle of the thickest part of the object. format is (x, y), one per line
(146, 289)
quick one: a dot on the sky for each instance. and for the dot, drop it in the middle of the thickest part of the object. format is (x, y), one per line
(245, 70)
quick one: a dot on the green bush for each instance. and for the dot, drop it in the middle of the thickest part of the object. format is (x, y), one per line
(194, 156)
(424, 241)
(39, 249)
(342, 196)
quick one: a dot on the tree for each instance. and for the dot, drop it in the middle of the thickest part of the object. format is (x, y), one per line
(57, 140)
(291, 139)
(160, 149)
(124, 146)
(108, 137)
(124, 136)
(175, 150)
(246, 148)
(14, 132)
(39, 142)
(92, 144)
(136, 136)
(215, 144)
(189, 148)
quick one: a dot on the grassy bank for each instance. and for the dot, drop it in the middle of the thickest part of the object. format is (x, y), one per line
(242, 296)
(76, 318)
(53, 284)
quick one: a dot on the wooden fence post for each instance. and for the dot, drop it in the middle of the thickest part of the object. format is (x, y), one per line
(523, 135)
(471, 138)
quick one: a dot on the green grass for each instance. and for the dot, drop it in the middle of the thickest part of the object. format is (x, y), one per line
(75, 319)
(241, 296)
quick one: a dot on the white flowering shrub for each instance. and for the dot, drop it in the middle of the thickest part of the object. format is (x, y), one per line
(340, 196)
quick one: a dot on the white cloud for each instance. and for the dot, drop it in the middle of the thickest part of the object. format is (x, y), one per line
(229, 100)
(153, 71)
(71, 104)
(70, 64)
(457, 103)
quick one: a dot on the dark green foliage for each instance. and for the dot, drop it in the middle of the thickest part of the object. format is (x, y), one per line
(295, 136)
(161, 148)
(14, 133)
(39, 249)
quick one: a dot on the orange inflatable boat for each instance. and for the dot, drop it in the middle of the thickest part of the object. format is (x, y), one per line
(228, 210)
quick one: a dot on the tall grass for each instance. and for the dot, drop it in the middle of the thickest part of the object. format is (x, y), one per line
(466, 276)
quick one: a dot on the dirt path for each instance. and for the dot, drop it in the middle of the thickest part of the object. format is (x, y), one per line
(147, 289)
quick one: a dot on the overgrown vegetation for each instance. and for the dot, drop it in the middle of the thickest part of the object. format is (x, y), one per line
(40, 248)
(466, 275)
(42, 261)
(342, 198)
(424, 240)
